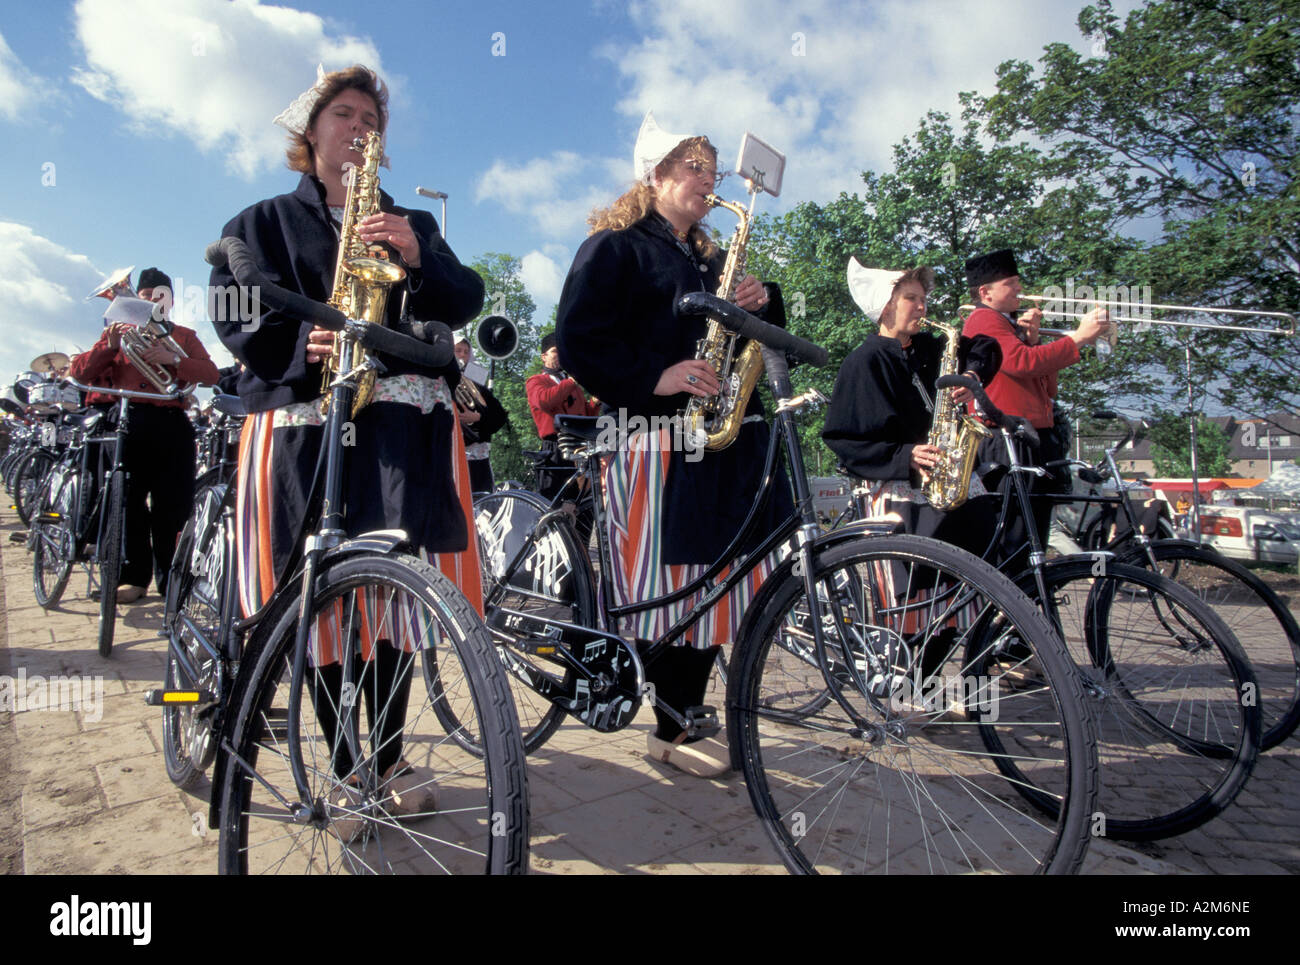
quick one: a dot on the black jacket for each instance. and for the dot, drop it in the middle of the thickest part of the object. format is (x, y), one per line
(617, 332)
(293, 240)
(877, 412)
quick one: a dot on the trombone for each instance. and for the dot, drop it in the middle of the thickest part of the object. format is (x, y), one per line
(1278, 323)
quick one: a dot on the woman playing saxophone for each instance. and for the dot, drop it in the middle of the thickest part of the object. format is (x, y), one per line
(407, 469)
(674, 508)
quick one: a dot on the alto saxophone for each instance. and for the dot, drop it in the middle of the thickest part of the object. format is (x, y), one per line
(361, 281)
(956, 434)
(717, 419)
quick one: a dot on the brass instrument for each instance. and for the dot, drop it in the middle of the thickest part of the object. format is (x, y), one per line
(717, 419)
(956, 434)
(139, 339)
(468, 396)
(118, 283)
(361, 282)
(1280, 323)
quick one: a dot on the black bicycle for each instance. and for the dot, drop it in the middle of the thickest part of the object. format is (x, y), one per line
(1261, 620)
(297, 784)
(1175, 697)
(67, 513)
(850, 764)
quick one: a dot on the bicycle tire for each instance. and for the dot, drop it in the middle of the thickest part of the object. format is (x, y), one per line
(821, 780)
(27, 482)
(1165, 681)
(52, 538)
(194, 588)
(481, 819)
(1262, 622)
(110, 560)
(547, 581)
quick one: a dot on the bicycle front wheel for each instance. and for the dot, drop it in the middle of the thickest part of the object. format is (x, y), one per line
(52, 539)
(865, 757)
(387, 791)
(111, 546)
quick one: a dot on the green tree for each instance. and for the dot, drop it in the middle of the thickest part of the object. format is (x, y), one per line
(507, 296)
(1171, 448)
(1186, 111)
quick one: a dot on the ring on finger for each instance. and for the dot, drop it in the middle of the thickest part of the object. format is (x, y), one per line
(692, 379)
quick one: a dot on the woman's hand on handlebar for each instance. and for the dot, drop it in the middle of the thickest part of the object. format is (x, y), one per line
(694, 376)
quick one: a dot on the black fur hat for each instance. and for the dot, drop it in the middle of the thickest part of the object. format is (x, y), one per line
(986, 269)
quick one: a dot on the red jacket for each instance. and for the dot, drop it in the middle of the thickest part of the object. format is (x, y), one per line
(108, 367)
(1026, 383)
(549, 397)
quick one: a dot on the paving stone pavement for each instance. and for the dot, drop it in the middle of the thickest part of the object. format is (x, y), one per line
(85, 792)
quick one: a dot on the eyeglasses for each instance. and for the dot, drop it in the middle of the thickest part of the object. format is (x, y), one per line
(698, 169)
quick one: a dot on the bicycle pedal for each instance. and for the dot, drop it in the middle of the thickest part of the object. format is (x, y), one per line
(702, 721)
(163, 698)
(538, 649)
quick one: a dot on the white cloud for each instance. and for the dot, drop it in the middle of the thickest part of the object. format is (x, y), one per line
(20, 89)
(42, 298)
(543, 273)
(556, 192)
(831, 83)
(216, 73)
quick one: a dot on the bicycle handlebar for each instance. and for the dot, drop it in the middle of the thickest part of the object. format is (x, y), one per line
(429, 345)
(1012, 424)
(124, 393)
(743, 323)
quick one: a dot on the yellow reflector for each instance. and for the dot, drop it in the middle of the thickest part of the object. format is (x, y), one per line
(545, 651)
(181, 697)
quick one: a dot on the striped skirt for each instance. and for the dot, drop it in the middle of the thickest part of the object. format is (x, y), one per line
(375, 618)
(634, 484)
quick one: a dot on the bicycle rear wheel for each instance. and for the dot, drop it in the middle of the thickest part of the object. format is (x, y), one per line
(193, 616)
(861, 766)
(350, 724)
(1261, 621)
(550, 581)
(1165, 681)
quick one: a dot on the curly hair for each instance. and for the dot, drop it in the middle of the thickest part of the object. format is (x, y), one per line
(922, 275)
(300, 154)
(638, 201)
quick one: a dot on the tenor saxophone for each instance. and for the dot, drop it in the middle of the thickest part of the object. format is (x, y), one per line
(361, 282)
(717, 419)
(956, 434)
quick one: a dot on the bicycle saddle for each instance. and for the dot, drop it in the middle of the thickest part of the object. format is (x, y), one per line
(231, 405)
(585, 428)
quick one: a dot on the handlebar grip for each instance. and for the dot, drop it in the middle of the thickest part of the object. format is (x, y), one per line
(743, 323)
(1013, 424)
(435, 355)
(234, 253)
(778, 372)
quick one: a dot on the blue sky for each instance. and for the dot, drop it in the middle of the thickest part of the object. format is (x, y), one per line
(134, 129)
